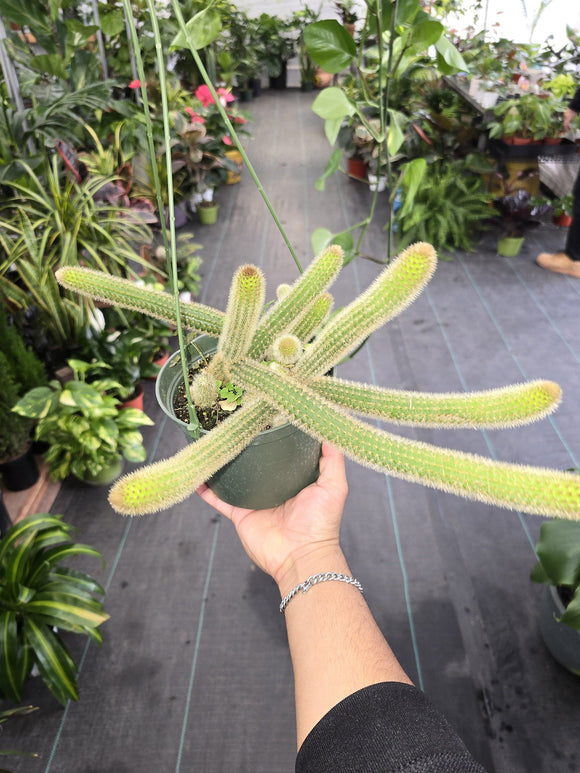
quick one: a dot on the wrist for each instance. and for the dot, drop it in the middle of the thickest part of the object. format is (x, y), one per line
(327, 557)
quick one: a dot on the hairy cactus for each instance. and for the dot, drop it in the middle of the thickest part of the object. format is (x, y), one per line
(322, 405)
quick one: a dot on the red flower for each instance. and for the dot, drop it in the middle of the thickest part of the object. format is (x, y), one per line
(194, 116)
(239, 119)
(227, 140)
(204, 95)
(136, 84)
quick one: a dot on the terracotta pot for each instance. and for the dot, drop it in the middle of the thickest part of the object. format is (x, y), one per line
(357, 168)
(160, 361)
(136, 401)
(551, 141)
(563, 220)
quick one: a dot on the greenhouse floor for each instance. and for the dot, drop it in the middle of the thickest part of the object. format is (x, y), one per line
(194, 672)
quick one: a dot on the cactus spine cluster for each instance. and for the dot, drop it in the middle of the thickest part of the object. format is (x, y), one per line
(323, 406)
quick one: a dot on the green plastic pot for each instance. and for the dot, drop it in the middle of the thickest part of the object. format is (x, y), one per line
(208, 215)
(278, 464)
(510, 246)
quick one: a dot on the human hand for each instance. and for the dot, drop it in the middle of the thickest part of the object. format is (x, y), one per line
(569, 116)
(303, 528)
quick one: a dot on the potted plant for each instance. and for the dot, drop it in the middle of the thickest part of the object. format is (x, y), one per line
(347, 12)
(20, 370)
(277, 45)
(518, 212)
(88, 435)
(271, 358)
(41, 601)
(563, 208)
(558, 567)
(302, 19)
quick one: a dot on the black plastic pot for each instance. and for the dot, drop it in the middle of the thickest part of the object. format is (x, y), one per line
(280, 81)
(21, 473)
(278, 464)
(5, 520)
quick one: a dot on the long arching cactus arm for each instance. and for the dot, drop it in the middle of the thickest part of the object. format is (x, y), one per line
(391, 292)
(527, 489)
(508, 406)
(163, 484)
(303, 293)
(128, 295)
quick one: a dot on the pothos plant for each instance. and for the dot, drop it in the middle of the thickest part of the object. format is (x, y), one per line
(272, 357)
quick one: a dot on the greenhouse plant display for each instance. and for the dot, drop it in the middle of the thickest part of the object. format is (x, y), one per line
(278, 359)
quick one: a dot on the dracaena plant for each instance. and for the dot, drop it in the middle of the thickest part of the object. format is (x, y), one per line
(251, 339)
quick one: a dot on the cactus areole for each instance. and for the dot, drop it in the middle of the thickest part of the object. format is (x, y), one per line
(324, 407)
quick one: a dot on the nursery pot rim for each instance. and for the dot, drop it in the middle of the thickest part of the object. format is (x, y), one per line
(265, 436)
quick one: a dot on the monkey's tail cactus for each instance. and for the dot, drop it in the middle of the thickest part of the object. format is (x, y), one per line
(322, 405)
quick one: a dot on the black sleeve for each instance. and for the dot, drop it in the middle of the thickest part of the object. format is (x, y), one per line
(575, 103)
(382, 728)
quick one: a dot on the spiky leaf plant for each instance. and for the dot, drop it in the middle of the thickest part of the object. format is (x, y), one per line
(322, 405)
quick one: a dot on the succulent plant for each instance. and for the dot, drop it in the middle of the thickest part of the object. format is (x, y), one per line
(323, 405)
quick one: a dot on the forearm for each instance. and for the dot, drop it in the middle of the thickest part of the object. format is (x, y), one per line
(335, 644)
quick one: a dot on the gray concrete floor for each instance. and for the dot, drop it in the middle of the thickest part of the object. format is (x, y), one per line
(194, 672)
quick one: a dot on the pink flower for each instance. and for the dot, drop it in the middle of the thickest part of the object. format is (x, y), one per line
(225, 95)
(204, 95)
(194, 116)
(227, 140)
(136, 84)
(239, 119)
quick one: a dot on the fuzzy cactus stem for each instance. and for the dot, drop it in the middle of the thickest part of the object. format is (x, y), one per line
(166, 483)
(509, 406)
(391, 292)
(128, 295)
(513, 486)
(245, 304)
(303, 293)
(308, 325)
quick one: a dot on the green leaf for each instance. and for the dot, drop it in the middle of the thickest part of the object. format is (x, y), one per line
(571, 616)
(330, 45)
(202, 29)
(50, 64)
(68, 608)
(331, 129)
(320, 239)
(37, 522)
(558, 551)
(333, 103)
(449, 60)
(330, 168)
(112, 24)
(410, 181)
(77, 394)
(396, 133)
(37, 403)
(15, 566)
(425, 34)
(11, 677)
(56, 666)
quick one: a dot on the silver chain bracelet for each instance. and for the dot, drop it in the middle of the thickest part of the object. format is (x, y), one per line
(313, 580)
